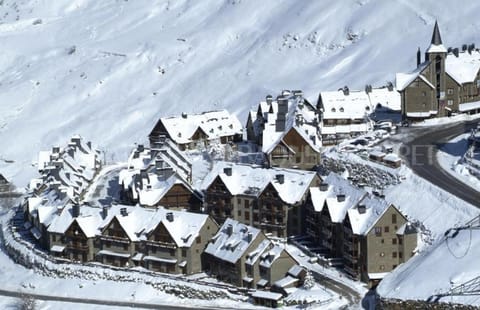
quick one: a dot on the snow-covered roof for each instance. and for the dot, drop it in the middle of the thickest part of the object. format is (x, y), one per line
(385, 98)
(300, 116)
(214, 124)
(339, 197)
(436, 48)
(421, 114)
(232, 241)
(295, 271)
(73, 166)
(464, 68)
(253, 256)
(392, 158)
(287, 281)
(271, 255)
(267, 295)
(463, 107)
(252, 180)
(89, 220)
(138, 222)
(338, 105)
(405, 79)
(368, 211)
(407, 228)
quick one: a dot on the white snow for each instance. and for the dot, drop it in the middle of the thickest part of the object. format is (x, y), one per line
(109, 70)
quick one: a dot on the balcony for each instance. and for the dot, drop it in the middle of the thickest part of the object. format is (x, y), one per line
(352, 272)
(114, 239)
(350, 258)
(77, 247)
(160, 244)
(327, 245)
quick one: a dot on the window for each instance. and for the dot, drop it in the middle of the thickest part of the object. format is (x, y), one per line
(386, 229)
(334, 110)
(394, 266)
(239, 201)
(342, 109)
(378, 231)
(382, 241)
(424, 93)
(400, 255)
(450, 102)
(246, 203)
(400, 240)
(394, 241)
(199, 239)
(394, 219)
(450, 91)
(239, 212)
(184, 252)
(394, 254)
(54, 237)
(247, 215)
(125, 246)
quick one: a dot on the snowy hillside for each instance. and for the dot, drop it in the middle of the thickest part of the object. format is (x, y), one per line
(108, 69)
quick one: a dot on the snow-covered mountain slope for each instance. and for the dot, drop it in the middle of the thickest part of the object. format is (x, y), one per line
(109, 69)
(450, 263)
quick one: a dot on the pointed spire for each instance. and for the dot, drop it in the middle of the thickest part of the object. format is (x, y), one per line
(436, 39)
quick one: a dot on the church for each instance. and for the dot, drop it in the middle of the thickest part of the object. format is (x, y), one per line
(447, 82)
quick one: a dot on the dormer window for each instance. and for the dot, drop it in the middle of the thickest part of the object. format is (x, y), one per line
(341, 109)
(334, 110)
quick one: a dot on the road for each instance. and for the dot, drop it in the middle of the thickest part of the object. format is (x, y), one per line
(89, 301)
(420, 154)
(342, 289)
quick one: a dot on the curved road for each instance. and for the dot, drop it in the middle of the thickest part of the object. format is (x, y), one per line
(421, 156)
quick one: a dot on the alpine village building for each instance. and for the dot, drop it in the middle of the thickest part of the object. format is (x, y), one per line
(446, 82)
(363, 231)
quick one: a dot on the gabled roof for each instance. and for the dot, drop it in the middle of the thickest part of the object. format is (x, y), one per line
(300, 115)
(363, 222)
(338, 105)
(403, 80)
(436, 45)
(139, 222)
(464, 68)
(252, 180)
(337, 186)
(231, 247)
(215, 124)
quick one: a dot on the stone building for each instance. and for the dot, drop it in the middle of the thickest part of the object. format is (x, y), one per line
(445, 83)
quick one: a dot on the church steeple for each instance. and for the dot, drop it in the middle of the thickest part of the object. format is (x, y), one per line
(436, 38)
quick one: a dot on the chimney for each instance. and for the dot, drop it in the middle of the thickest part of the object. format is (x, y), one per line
(280, 178)
(75, 209)
(104, 212)
(140, 148)
(123, 211)
(228, 171)
(229, 229)
(464, 47)
(361, 209)
(71, 151)
(298, 93)
(341, 197)
(184, 115)
(324, 187)
(390, 86)
(249, 236)
(169, 216)
(419, 57)
(269, 99)
(55, 149)
(346, 91)
(89, 143)
(455, 51)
